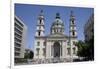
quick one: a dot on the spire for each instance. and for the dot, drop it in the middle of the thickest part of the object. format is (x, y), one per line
(40, 25)
(73, 32)
(57, 15)
(72, 17)
(41, 13)
(71, 13)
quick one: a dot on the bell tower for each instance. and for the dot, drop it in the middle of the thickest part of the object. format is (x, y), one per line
(72, 31)
(40, 30)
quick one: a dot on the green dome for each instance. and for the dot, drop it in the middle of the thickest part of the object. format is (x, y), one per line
(58, 21)
(58, 25)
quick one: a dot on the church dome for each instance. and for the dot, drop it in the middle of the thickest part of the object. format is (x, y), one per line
(59, 21)
(57, 26)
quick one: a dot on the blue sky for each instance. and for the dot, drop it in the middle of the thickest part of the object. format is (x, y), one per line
(28, 13)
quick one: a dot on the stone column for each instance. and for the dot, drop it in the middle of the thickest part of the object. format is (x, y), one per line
(60, 49)
(52, 50)
(64, 49)
(48, 50)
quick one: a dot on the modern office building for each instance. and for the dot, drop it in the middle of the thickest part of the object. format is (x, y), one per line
(20, 31)
(57, 44)
(89, 28)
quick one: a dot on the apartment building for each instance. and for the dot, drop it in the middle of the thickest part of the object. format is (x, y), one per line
(20, 31)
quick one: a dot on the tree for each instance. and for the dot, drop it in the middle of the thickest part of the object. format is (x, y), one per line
(91, 49)
(86, 49)
(31, 55)
(82, 47)
(26, 55)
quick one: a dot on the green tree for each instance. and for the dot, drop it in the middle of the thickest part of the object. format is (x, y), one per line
(90, 49)
(82, 47)
(26, 55)
(86, 49)
(31, 55)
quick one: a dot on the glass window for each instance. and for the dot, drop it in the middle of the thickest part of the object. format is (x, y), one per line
(17, 54)
(19, 27)
(73, 50)
(18, 31)
(39, 33)
(17, 35)
(73, 33)
(17, 49)
(72, 21)
(44, 43)
(17, 40)
(17, 44)
(38, 43)
(68, 43)
(19, 22)
(40, 21)
(68, 51)
(44, 51)
(74, 42)
(37, 51)
(72, 28)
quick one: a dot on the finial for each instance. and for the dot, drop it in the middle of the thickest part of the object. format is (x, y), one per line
(71, 13)
(57, 15)
(41, 11)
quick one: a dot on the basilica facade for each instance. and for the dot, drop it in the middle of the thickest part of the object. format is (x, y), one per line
(57, 44)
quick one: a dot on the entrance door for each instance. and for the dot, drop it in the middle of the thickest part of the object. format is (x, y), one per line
(56, 49)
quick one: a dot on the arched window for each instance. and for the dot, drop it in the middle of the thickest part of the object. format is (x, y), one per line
(73, 33)
(38, 43)
(73, 50)
(40, 21)
(37, 49)
(39, 33)
(72, 21)
(68, 51)
(44, 51)
(44, 43)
